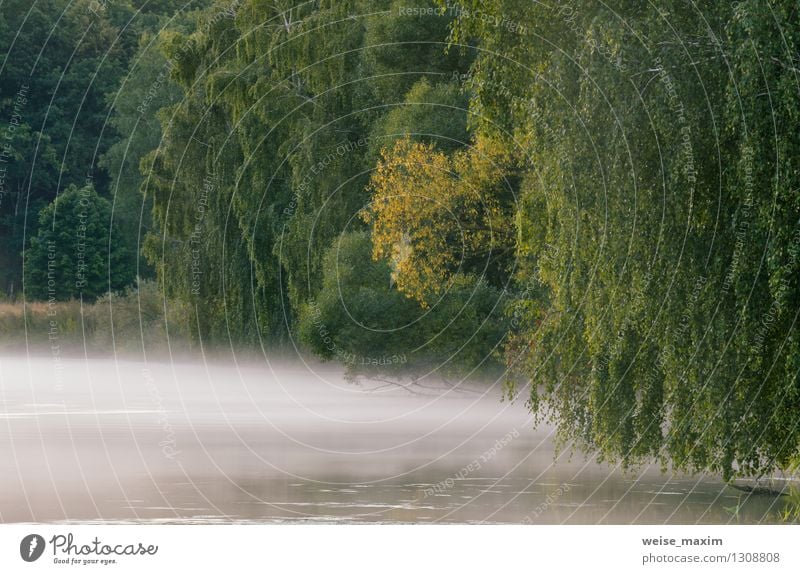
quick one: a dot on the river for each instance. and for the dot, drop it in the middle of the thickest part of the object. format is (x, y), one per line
(99, 440)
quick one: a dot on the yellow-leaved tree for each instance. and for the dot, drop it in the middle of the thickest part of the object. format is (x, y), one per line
(435, 215)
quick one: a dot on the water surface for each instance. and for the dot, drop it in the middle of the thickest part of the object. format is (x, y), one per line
(120, 441)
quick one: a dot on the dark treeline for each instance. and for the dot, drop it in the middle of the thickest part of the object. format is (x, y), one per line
(602, 203)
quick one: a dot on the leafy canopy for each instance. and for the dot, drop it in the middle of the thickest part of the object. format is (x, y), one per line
(72, 256)
(434, 215)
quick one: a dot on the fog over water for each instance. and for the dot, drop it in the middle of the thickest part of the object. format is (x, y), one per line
(119, 441)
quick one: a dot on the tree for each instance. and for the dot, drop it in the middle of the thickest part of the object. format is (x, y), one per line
(434, 215)
(404, 45)
(434, 114)
(60, 63)
(72, 256)
(656, 256)
(146, 88)
(278, 106)
(361, 320)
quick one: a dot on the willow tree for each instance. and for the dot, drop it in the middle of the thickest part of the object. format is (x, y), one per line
(272, 134)
(657, 268)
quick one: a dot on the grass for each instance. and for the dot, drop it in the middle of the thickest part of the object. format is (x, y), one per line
(132, 322)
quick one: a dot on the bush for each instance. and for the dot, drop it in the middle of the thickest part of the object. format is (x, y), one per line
(71, 256)
(361, 320)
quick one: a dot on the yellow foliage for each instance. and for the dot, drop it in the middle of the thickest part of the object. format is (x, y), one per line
(430, 212)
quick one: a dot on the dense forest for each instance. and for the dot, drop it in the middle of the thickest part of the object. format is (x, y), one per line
(599, 205)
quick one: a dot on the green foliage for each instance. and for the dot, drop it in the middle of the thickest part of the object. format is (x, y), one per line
(658, 233)
(282, 108)
(61, 62)
(72, 255)
(364, 322)
(403, 46)
(636, 170)
(146, 88)
(430, 113)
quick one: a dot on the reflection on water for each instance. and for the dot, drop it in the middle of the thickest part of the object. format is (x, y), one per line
(100, 440)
